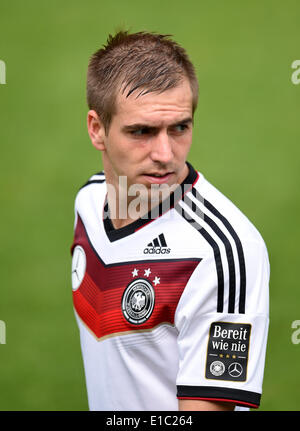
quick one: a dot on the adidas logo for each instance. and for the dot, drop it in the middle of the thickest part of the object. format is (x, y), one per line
(157, 246)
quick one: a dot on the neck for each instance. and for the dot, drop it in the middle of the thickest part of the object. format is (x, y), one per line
(127, 205)
(125, 209)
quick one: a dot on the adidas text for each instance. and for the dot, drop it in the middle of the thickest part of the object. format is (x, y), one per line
(157, 250)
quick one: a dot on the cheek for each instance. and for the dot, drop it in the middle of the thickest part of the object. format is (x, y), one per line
(125, 155)
(184, 145)
(116, 147)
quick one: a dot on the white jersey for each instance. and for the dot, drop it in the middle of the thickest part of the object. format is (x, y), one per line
(172, 306)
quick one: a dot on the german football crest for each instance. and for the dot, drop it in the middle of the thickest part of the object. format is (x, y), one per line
(139, 298)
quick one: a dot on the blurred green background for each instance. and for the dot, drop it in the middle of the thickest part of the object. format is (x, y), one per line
(246, 142)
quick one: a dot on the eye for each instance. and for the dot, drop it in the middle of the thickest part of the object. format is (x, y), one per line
(179, 128)
(140, 132)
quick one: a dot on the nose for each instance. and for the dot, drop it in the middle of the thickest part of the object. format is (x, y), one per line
(161, 148)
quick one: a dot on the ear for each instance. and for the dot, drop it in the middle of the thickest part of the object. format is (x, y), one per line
(96, 130)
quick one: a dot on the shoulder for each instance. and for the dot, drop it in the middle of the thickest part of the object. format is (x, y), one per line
(98, 178)
(237, 254)
(93, 188)
(220, 215)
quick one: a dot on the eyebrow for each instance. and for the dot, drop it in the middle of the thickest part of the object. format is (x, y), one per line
(129, 127)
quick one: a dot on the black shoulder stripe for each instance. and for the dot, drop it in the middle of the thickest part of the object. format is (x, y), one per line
(228, 249)
(98, 178)
(239, 247)
(217, 255)
(100, 173)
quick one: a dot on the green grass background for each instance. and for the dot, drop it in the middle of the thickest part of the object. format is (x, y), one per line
(246, 142)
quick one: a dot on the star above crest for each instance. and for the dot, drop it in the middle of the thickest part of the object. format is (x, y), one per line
(147, 272)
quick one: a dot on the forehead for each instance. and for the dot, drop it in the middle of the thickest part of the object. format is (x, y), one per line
(155, 108)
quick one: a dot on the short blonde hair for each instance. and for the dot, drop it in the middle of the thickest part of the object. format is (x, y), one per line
(139, 62)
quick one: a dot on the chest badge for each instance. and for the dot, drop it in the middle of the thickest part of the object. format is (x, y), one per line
(139, 297)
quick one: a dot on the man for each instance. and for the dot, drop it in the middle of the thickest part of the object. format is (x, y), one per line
(170, 279)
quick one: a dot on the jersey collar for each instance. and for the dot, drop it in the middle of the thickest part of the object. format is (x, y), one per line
(116, 234)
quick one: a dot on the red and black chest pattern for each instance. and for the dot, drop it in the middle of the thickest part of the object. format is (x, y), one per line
(115, 299)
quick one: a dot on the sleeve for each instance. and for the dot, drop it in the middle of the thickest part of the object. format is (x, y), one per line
(222, 353)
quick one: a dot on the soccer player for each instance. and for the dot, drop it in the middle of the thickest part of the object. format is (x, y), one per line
(169, 278)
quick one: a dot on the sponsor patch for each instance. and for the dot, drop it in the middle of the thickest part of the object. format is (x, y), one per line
(227, 351)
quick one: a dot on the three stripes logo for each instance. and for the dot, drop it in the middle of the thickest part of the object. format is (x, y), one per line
(157, 246)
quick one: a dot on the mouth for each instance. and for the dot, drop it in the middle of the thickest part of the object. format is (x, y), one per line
(158, 177)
